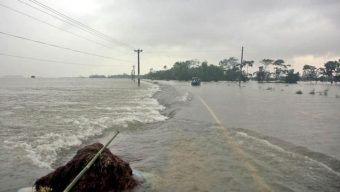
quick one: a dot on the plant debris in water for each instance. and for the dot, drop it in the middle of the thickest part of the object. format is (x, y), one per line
(108, 173)
(299, 92)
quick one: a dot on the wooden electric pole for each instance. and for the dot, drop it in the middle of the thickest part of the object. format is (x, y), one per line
(133, 73)
(240, 78)
(138, 51)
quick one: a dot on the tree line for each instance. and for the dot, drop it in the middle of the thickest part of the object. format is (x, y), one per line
(270, 70)
(330, 72)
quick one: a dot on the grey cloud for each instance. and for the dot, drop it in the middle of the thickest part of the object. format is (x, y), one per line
(210, 29)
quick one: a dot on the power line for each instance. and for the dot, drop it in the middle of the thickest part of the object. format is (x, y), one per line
(46, 23)
(54, 16)
(69, 18)
(44, 60)
(60, 47)
(64, 18)
(186, 51)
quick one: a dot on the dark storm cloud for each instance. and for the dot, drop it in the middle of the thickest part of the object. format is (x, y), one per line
(209, 30)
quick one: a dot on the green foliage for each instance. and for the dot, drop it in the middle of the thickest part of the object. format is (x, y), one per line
(279, 62)
(266, 62)
(230, 70)
(247, 63)
(229, 64)
(278, 73)
(261, 74)
(309, 73)
(332, 68)
(292, 77)
(184, 70)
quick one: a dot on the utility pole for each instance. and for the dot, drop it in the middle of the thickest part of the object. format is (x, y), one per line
(134, 73)
(239, 84)
(138, 51)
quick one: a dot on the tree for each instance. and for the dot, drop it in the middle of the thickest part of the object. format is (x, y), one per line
(331, 68)
(261, 74)
(231, 63)
(321, 74)
(185, 70)
(181, 70)
(292, 77)
(265, 73)
(280, 68)
(266, 63)
(309, 73)
(247, 63)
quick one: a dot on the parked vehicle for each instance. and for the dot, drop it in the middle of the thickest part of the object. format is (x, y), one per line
(195, 81)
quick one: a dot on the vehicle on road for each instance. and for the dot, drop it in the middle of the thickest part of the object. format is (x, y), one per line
(195, 81)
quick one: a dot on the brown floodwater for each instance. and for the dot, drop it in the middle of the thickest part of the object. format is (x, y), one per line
(215, 137)
(252, 138)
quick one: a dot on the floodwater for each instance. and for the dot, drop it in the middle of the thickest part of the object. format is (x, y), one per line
(216, 137)
(44, 121)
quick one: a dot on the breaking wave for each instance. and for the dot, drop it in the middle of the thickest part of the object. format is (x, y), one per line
(61, 127)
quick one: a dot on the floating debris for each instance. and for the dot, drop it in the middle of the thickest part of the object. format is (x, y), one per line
(108, 173)
(299, 92)
(325, 92)
(312, 92)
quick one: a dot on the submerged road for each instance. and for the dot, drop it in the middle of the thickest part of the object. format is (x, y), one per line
(206, 145)
(262, 185)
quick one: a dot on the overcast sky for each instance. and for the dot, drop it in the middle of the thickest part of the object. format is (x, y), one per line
(298, 31)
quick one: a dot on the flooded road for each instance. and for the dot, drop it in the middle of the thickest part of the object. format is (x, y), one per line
(213, 142)
(216, 137)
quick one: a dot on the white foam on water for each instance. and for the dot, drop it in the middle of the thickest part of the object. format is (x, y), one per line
(26, 189)
(322, 165)
(268, 144)
(43, 150)
(184, 98)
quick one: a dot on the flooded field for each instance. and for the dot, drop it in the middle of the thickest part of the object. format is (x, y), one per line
(216, 137)
(264, 143)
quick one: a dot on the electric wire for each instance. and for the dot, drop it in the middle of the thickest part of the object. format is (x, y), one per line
(60, 47)
(64, 18)
(46, 23)
(71, 22)
(68, 18)
(46, 60)
(54, 16)
(78, 23)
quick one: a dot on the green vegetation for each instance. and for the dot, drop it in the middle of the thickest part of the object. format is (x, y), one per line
(185, 70)
(279, 72)
(122, 76)
(330, 72)
(97, 76)
(226, 70)
(230, 70)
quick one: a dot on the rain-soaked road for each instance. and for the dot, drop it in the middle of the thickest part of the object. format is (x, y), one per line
(224, 138)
